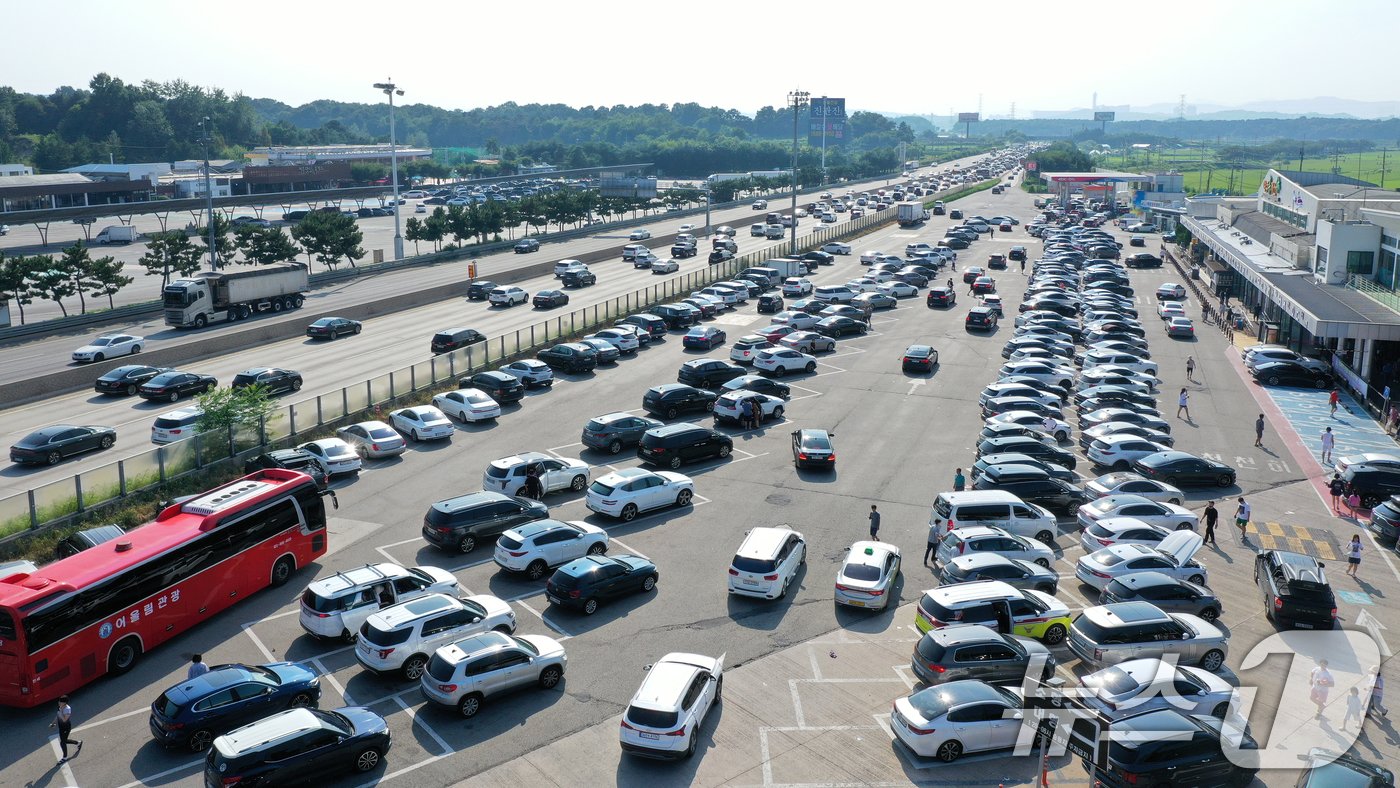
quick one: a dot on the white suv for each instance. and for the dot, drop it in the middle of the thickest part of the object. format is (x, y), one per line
(766, 562)
(336, 606)
(663, 719)
(462, 674)
(534, 547)
(402, 638)
(507, 475)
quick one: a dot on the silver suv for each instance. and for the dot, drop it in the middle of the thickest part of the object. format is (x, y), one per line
(464, 673)
(1108, 634)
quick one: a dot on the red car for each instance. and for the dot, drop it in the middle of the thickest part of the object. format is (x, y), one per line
(775, 333)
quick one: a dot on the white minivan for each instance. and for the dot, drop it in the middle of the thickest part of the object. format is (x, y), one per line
(996, 508)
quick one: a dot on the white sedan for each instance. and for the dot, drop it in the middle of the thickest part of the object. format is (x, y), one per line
(863, 285)
(957, 717)
(334, 455)
(1170, 309)
(870, 258)
(1140, 685)
(685, 228)
(109, 346)
(867, 577)
(1129, 483)
(781, 361)
(667, 266)
(625, 341)
(1049, 425)
(1171, 291)
(468, 405)
(798, 320)
(1167, 515)
(1172, 557)
(639, 235)
(898, 289)
(1120, 530)
(422, 422)
(836, 248)
(631, 491)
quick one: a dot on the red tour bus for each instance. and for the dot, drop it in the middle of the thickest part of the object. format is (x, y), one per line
(81, 617)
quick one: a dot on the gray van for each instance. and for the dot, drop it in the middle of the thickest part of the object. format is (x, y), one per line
(972, 651)
(991, 507)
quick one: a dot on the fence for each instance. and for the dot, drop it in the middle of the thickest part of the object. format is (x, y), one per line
(59, 502)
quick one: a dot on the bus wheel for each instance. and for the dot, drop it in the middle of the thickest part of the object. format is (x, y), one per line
(282, 570)
(123, 656)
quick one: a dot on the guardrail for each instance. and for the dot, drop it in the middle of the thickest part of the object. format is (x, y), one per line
(60, 502)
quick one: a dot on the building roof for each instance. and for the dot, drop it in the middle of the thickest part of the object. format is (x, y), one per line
(52, 179)
(1345, 191)
(1309, 179)
(1093, 177)
(1260, 226)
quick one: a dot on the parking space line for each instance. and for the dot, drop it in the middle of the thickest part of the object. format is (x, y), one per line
(428, 729)
(275, 616)
(400, 772)
(333, 680)
(520, 600)
(113, 718)
(63, 765)
(633, 551)
(257, 641)
(148, 779)
(554, 449)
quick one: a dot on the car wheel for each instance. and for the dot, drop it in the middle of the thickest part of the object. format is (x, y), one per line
(1175, 501)
(123, 656)
(346, 636)
(1225, 480)
(675, 462)
(1220, 710)
(131, 390)
(1175, 482)
(174, 396)
(302, 700)
(1046, 538)
(1045, 562)
(54, 458)
(647, 585)
(683, 498)
(282, 571)
(414, 667)
(615, 447)
(778, 413)
(1273, 380)
(99, 356)
(536, 569)
(355, 330)
(578, 483)
(670, 413)
(690, 748)
(948, 751)
(466, 544)
(414, 435)
(811, 366)
(597, 549)
(137, 349)
(1055, 634)
(629, 512)
(1213, 660)
(1321, 384)
(469, 705)
(199, 741)
(550, 676)
(296, 384)
(724, 450)
(780, 371)
(1210, 613)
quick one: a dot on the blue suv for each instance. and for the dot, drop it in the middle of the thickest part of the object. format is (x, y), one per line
(193, 712)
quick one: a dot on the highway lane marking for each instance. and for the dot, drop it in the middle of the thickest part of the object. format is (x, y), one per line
(413, 715)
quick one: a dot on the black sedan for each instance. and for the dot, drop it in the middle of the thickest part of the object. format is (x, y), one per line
(821, 258)
(813, 449)
(1180, 469)
(919, 358)
(51, 445)
(839, 326)
(126, 379)
(1040, 447)
(707, 373)
(548, 299)
(570, 357)
(703, 337)
(971, 273)
(759, 385)
(273, 379)
(332, 328)
(173, 385)
(1291, 373)
(584, 583)
(193, 712)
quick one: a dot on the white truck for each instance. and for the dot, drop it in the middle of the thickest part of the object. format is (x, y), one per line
(911, 213)
(212, 296)
(117, 234)
(787, 266)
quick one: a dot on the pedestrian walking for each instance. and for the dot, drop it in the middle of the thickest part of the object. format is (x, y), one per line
(959, 481)
(1023, 266)
(1337, 487)
(1212, 516)
(1049, 425)
(1353, 502)
(931, 551)
(1354, 555)
(755, 412)
(63, 720)
(950, 281)
(1377, 693)
(993, 232)
(1320, 680)
(1334, 399)
(197, 667)
(1328, 441)
(1259, 430)
(1191, 368)
(1242, 519)
(1181, 406)
(1353, 708)
(874, 523)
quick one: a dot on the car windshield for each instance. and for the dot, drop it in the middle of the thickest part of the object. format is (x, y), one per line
(102, 341)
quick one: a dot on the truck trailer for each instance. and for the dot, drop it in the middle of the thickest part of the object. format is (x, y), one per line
(911, 213)
(212, 296)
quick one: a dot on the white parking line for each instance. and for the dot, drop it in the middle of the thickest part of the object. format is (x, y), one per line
(113, 718)
(400, 772)
(63, 767)
(257, 641)
(333, 680)
(428, 729)
(631, 550)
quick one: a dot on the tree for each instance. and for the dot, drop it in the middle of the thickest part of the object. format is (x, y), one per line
(368, 172)
(104, 277)
(14, 281)
(413, 231)
(222, 248)
(51, 282)
(77, 264)
(435, 228)
(170, 252)
(225, 408)
(264, 245)
(329, 236)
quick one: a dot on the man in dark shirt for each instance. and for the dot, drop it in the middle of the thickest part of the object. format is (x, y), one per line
(874, 523)
(1211, 516)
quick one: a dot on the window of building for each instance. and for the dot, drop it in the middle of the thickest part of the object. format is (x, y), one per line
(1390, 240)
(1385, 272)
(1361, 263)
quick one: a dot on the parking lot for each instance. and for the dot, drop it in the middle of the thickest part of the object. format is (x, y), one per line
(808, 685)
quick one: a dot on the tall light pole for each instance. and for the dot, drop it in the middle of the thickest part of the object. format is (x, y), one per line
(391, 90)
(208, 194)
(797, 99)
(824, 117)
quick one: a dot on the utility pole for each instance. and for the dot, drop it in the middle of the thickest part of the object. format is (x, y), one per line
(824, 117)
(391, 90)
(209, 194)
(798, 100)
(1384, 151)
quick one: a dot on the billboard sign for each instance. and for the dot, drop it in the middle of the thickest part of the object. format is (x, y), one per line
(298, 173)
(1101, 117)
(831, 114)
(969, 117)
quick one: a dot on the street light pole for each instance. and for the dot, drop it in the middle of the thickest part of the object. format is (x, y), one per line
(209, 194)
(824, 116)
(798, 100)
(391, 90)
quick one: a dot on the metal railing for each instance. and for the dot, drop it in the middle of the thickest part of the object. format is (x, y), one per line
(60, 501)
(1382, 295)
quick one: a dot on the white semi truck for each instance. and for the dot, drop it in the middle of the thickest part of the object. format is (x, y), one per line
(212, 296)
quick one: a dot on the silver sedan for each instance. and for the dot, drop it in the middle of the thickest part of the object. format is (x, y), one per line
(867, 577)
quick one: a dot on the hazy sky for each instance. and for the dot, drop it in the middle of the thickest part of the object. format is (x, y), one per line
(914, 56)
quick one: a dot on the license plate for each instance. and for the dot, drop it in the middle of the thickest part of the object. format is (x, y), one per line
(1302, 625)
(363, 646)
(553, 599)
(855, 602)
(749, 581)
(652, 736)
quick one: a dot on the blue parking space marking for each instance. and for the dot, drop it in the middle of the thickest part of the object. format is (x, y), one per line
(1308, 414)
(1356, 597)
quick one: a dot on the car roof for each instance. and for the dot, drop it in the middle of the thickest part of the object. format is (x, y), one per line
(356, 578)
(665, 684)
(960, 634)
(267, 730)
(476, 645)
(1119, 613)
(965, 593)
(414, 609)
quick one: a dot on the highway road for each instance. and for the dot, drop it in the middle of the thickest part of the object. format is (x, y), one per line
(387, 343)
(898, 437)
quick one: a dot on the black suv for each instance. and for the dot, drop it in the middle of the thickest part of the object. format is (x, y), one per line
(1372, 484)
(1295, 589)
(578, 278)
(676, 444)
(1044, 491)
(1170, 748)
(708, 372)
(675, 317)
(1040, 448)
(460, 523)
(570, 357)
(290, 459)
(454, 338)
(672, 399)
(941, 296)
(502, 387)
(479, 289)
(298, 745)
